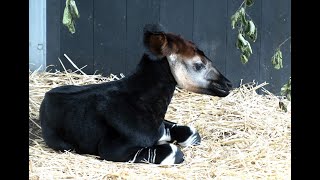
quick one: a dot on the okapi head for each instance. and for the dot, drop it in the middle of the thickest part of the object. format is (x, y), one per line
(191, 68)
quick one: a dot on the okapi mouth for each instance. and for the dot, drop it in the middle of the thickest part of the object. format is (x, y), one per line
(220, 92)
(212, 90)
(220, 89)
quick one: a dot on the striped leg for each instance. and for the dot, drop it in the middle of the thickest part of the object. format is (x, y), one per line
(184, 135)
(164, 154)
(121, 150)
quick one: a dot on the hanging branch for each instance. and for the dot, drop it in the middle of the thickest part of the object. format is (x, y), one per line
(70, 13)
(247, 32)
(246, 29)
(286, 90)
(276, 61)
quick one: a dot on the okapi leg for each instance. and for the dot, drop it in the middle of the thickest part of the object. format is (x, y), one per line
(184, 135)
(120, 150)
(164, 154)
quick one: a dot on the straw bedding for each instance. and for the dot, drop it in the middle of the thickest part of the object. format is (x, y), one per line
(244, 136)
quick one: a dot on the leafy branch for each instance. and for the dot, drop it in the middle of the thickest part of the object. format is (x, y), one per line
(70, 13)
(246, 29)
(276, 61)
(286, 90)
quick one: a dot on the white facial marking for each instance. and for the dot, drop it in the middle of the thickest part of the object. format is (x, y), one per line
(192, 138)
(184, 73)
(169, 160)
(195, 59)
(172, 57)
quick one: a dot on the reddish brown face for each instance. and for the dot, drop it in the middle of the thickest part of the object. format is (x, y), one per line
(190, 67)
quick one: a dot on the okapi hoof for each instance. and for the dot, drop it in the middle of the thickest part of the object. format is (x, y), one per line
(175, 155)
(193, 138)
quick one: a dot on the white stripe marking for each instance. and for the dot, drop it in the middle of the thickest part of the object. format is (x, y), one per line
(149, 154)
(165, 138)
(154, 156)
(192, 138)
(169, 160)
(135, 156)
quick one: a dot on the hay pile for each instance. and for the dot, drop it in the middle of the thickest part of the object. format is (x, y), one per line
(244, 136)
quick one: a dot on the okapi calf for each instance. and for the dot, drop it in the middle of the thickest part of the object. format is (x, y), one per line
(123, 120)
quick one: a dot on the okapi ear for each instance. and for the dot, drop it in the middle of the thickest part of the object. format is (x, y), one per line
(155, 39)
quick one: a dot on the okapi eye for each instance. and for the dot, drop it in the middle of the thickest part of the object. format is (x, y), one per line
(198, 66)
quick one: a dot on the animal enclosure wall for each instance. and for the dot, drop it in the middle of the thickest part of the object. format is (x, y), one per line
(37, 34)
(108, 36)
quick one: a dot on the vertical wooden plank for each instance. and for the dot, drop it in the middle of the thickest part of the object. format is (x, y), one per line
(109, 36)
(139, 13)
(53, 9)
(78, 46)
(235, 69)
(276, 27)
(177, 17)
(210, 17)
(37, 35)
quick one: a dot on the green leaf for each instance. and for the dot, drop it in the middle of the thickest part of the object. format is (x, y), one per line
(247, 52)
(71, 28)
(253, 37)
(252, 27)
(247, 29)
(242, 11)
(233, 23)
(289, 96)
(245, 48)
(73, 9)
(70, 13)
(251, 31)
(234, 18)
(276, 59)
(280, 54)
(276, 66)
(242, 40)
(243, 19)
(239, 44)
(66, 20)
(244, 59)
(242, 16)
(249, 47)
(286, 90)
(249, 3)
